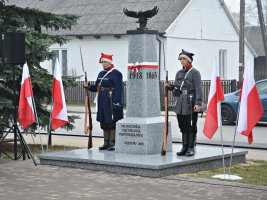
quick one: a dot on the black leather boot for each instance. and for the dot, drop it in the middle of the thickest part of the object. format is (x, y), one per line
(106, 140)
(111, 145)
(105, 145)
(185, 144)
(112, 140)
(191, 145)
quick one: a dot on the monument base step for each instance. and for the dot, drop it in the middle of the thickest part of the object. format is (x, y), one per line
(155, 165)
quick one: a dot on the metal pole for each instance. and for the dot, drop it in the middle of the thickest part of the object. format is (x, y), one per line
(263, 32)
(220, 176)
(49, 140)
(38, 125)
(220, 120)
(241, 40)
(236, 124)
(15, 115)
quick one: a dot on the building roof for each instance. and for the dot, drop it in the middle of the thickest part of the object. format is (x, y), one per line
(102, 17)
(254, 37)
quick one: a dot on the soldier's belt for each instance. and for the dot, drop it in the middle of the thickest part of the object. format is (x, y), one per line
(106, 88)
(184, 92)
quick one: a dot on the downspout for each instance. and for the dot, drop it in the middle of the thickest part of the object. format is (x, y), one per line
(160, 90)
(159, 55)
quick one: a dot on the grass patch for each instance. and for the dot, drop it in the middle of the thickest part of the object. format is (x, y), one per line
(253, 172)
(35, 149)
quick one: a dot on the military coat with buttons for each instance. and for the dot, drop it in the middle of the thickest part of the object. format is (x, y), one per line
(191, 86)
(109, 109)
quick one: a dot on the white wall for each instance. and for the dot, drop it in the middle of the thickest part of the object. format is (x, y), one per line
(204, 51)
(204, 28)
(205, 19)
(91, 50)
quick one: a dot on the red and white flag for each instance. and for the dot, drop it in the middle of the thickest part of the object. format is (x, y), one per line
(251, 109)
(26, 111)
(216, 95)
(59, 111)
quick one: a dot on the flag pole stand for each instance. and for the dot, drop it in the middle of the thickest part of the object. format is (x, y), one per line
(15, 129)
(225, 176)
(221, 176)
(229, 176)
(38, 125)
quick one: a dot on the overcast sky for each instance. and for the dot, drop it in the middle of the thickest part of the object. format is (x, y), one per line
(233, 5)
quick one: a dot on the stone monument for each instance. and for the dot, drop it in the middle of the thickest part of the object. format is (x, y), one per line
(141, 132)
(139, 136)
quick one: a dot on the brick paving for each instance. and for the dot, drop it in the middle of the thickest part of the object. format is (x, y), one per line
(21, 180)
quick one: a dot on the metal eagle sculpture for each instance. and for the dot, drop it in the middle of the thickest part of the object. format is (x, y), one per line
(142, 16)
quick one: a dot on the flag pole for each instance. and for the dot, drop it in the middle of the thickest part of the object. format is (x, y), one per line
(228, 176)
(49, 127)
(50, 118)
(222, 151)
(236, 124)
(220, 120)
(38, 125)
(58, 102)
(221, 176)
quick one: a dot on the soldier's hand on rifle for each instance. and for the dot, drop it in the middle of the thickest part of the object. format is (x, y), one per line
(167, 84)
(86, 84)
(197, 108)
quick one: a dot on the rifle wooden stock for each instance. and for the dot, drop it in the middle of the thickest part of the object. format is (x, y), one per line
(166, 128)
(88, 127)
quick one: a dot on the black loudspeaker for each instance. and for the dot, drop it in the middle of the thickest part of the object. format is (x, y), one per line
(13, 48)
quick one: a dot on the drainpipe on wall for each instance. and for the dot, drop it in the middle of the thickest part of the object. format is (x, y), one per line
(159, 55)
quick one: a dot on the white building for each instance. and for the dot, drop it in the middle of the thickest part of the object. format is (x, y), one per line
(204, 27)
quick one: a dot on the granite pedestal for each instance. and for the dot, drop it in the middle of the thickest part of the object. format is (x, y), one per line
(154, 165)
(141, 132)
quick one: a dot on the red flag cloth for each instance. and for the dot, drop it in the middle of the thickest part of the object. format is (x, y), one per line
(251, 109)
(26, 111)
(59, 111)
(213, 115)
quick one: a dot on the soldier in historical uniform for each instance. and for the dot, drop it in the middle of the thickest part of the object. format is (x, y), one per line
(187, 88)
(109, 86)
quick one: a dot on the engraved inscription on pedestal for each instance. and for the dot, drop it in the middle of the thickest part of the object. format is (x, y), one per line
(141, 132)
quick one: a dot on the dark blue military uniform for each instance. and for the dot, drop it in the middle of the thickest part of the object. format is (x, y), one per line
(109, 110)
(109, 87)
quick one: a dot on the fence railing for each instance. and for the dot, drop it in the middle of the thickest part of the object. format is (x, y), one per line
(76, 95)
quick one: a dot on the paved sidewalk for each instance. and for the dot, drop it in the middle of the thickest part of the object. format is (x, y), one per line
(21, 180)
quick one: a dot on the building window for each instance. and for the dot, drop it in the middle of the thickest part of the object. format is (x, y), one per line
(223, 63)
(61, 55)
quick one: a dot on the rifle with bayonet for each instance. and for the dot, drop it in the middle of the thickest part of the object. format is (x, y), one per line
(166, 127)
(88, 126)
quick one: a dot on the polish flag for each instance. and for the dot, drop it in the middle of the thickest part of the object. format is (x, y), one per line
(216, 95)
(251, 109)
(26, 111)
(59, 111)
